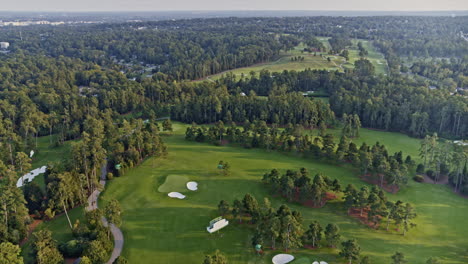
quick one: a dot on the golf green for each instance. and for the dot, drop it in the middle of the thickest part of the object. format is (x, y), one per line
(174, 183)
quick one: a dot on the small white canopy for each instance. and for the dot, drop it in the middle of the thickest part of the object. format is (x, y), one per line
(176, 195)
(193, 186)
(217, 226)
(282, 259)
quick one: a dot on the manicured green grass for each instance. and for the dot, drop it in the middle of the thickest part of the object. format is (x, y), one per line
(314, 62)
(157, 227)
(47, 152)
(59, 226)
(323, 99)
(284, 63)
(393, 141)
(174, 183)
(375, 57)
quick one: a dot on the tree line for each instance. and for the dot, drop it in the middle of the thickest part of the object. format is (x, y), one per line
(375, 163)
(443, 159)
(370, 206)
(283, 228)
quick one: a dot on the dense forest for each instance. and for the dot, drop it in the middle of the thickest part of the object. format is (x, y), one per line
(390, 103)
(191, 49)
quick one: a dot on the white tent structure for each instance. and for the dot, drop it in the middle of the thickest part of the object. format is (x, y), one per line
(282, 259)
(193, 186)
(30, 176)
(216, 224)
(176, 195)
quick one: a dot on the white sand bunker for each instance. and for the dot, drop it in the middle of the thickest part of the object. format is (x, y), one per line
(193, 186)
(30, 176)
(282, 258)
(321, 262)
(176, 195)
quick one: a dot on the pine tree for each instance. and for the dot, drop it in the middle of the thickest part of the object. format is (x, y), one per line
(223, 207)
(10, 254)
(398, 258)
(237, 209)
(314, 233)
(407, 216)
(113, 213)
(350, 250)
(167, 125)
(332, 235)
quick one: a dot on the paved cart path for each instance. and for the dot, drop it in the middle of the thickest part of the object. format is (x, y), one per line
(116, 232)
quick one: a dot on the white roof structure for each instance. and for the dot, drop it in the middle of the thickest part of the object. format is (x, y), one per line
(193, 186)
(4, 45)
(216, 224)
(282, 259)
(30, 176)
(176, 195)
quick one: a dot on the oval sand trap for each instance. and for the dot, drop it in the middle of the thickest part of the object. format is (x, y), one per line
(193, 186)
(176, 195)
(282, 258)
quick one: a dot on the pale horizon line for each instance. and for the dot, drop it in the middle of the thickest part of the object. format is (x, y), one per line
(235, 10)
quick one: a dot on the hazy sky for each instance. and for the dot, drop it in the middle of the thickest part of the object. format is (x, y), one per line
(165, 5)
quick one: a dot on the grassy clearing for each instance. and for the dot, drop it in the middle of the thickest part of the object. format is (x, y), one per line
(375, 57)
(173, 231)
(44, 154)
(60, 231)
(283, 62)
(393, 141)
(47, 152)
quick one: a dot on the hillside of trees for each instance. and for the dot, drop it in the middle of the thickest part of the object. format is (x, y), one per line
(394, 103)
